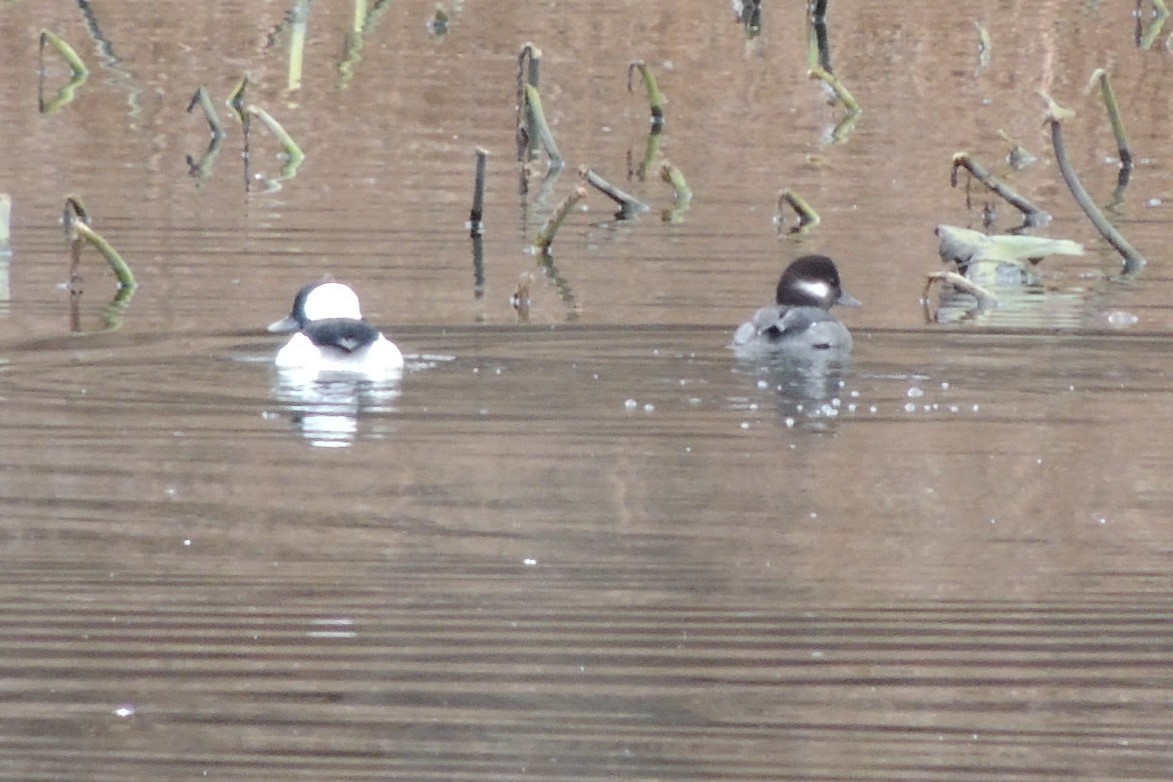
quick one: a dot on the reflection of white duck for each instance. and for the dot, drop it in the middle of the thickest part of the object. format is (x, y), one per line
(332, 335)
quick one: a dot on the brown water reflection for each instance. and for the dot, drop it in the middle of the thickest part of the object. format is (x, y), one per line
(595, 545)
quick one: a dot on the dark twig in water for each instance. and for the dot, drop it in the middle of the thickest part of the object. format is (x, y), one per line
(478, 266)
(629, 205)
(79, 232)
(655, 97)
(1133, 260)
(476, 216)
(818, 47)
(807, 217)
(546, 235)
(1032, 214)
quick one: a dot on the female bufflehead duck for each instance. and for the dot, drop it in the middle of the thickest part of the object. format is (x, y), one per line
(799, 320)
(332, 335)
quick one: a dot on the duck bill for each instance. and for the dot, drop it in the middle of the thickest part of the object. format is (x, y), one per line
(286, 325)
(847, 300)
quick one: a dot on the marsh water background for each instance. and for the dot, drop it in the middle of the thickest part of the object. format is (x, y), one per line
(589, 545)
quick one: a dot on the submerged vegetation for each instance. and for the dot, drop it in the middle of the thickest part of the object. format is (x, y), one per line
(545, 214)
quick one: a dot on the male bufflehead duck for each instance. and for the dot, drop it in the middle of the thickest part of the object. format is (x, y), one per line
(332, 335)
(799, 319)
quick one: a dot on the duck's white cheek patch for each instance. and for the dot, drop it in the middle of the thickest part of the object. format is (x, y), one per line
(816, 289)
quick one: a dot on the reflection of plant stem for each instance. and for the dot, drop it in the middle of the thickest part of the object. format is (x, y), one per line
(1113, 109)
(478, 266)
(1160, 13)
(299, 24)
(296, 156)
(77, 226)
(683, 198)
(561, 284)
(364, 22)
(476, 215)
(1133, 260)
(629, 205)
(546, 235)
(655, 98)
(807, 217)
(203, 168)
(985, 46)
(537, 115)
(1032, 214)
(984, 297)
(5, 223)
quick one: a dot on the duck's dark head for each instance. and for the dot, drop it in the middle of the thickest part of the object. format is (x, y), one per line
(813, 281)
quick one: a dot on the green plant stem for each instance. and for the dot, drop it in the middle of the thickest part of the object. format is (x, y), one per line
(807, 217)
(550, 229)
(65, 50)
(655, 97)
(529, 72)
(537, 115)
(1114, 117)
(79, 231)
(202, 100)
(841, 92)
(296, 156)
(236, 98)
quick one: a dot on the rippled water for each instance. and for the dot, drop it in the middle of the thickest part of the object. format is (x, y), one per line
(590, 545)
